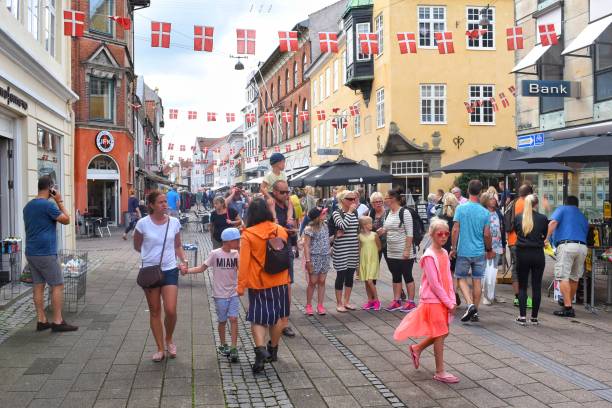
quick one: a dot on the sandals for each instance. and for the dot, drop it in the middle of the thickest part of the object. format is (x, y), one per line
(171, 350)
(158, 357)
(349, 306)
(446, 378)
(341, 309)
(415, 356)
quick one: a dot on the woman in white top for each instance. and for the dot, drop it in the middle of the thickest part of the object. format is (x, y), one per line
(400, 252)
(148, 240)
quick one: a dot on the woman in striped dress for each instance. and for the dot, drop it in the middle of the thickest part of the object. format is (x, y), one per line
(345, 254)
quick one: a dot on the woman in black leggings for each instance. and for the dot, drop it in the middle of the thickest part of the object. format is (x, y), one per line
(346, 248)
(531, 228)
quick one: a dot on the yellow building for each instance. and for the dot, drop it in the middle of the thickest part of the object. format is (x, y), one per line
(412, 113)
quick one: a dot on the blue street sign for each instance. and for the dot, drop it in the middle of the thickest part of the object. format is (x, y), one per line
(525, 141)
(538, 139)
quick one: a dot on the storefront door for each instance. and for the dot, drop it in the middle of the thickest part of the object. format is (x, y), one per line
(102, 199)
(418, 187)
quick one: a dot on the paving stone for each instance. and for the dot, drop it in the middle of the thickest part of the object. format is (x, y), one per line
(482, 398)
(43, 366)
(306, 398)
(500, 388)
(329, 387)
(111, 403)
(543, 393)
(512, 376)
(144, 398)
(455, 402)
(351, 378)
(79, 399)
(89, 382)
(55, 389)
(29, 382)
(115, 389)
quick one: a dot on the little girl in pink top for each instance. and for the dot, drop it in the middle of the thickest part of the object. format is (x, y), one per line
(437, 303)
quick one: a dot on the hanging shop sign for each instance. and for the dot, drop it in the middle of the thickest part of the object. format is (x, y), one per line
(105, 141)
(560, 89)
(12, 99)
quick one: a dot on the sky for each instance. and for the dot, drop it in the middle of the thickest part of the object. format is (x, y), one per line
(207, 82)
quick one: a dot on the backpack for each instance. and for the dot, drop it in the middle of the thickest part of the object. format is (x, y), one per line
(277, 255)
(510, 216)
(418, 228)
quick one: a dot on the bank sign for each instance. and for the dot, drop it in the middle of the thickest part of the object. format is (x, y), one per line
(559, 89)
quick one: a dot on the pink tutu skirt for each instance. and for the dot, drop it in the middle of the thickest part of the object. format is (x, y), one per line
(427, 320)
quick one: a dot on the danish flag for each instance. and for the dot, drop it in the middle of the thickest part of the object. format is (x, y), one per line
(173, 113)
(74, 23)
(231, 151)
(548, 35)
(246, 41)
(264, 155)
(148, 141)
(205, 151)
(494, 104)
(407, 43)
(468, 107)
(160, 34)
(277, 149)
(354, 110)
(340, 122)
(328, 42)
(287, 117)
(124, 22)
(211, 116)
(203, 38)
(231, 162)
(205, 161)
(287, 148)
(299, 145)
(321, 115)
(170, 146)
(230, 117)
(250, 118)
(475, 33)
(514, 38)
(512, 90)
(304, 116)
(171, 157)
(369, 43)
(182, 148)
(504, 100)
(191, 115)
(288, 41)
(269, 117)
(217, 150)
(445, 42)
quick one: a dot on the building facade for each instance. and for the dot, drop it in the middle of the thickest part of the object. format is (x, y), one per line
(103, 77)
(36, 116)
(412, 118)
(583, 57)
(250, 165)
(202, 163)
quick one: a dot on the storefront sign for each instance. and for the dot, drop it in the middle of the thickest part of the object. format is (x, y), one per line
(105, 141)
(11, 98)
(530, 140)
(560, 89)
(328, 152)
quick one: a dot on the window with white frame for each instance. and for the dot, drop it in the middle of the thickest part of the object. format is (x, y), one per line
(327, 132)
(482, 41)
(433, 103)
(336, 132)
(321, 87)
(99, 10)
(336, 76)
(322, 134)
(349, 46)
(361, 28)
(343, 59)
(13, 7)
(33, 17)
(432, 19)
(327, 82)
(357, 122)
(345, 117)
(409, 168)
(296, 77)
(49, 26)
(315, 92)
(480, 101)
(378, 24)
(380, 108)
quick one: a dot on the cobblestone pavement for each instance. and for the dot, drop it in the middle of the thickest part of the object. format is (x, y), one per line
(337, 360)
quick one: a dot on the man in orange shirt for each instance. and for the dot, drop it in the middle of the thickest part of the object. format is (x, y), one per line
(519, 204)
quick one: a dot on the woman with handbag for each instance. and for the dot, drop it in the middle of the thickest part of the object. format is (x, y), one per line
(263, 269)
(158, 239)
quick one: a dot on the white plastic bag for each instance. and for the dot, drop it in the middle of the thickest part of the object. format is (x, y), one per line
(490, 278)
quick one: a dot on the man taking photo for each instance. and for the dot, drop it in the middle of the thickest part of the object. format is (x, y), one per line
(41, 217)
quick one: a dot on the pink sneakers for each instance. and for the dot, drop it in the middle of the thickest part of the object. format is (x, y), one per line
(321, 310)
(367, 305)
(393, 306)
(408, 307)
(309, 311)
(375, 305)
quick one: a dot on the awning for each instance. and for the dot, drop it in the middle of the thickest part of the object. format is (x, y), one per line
(257, 180)
(295, 172)
(158, 179)
(531, 59)
(588, 36)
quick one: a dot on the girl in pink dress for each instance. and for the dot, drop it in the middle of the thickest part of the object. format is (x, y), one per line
(436, 304)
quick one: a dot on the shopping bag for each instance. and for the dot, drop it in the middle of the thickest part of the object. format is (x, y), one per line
(489, 280)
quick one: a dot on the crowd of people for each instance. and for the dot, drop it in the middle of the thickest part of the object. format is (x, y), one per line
(257, 239)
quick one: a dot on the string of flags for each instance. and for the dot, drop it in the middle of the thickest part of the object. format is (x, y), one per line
(203, 37)
(253, 157)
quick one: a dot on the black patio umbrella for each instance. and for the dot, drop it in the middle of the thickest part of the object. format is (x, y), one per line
(501, 160)
(342, 172)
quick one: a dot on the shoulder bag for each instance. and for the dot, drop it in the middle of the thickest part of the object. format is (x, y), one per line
(152, 276)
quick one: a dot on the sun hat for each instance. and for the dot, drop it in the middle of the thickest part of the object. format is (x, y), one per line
(230, 234)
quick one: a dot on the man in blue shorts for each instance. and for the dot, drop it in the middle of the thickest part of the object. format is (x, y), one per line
(174, 202)
(471, 240)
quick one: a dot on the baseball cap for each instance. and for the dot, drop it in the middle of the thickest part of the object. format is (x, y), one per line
(230, 234)
(276, 157)
(314, 213)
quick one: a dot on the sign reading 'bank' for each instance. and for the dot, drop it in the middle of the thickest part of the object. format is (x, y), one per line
(559, 89)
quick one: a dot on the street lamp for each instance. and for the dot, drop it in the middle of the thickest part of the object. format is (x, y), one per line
(239, 66)
(484, 17)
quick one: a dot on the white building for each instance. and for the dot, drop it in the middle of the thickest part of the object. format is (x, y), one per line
(36, 116)
(251, 134)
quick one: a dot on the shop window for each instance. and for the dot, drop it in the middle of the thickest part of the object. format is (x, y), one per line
(480, 100)
(603, 66)
(433, 103)
(431, 20)
(101, 99)
(550, 67)
(484, 41)
(99, 10)
(33, 17)
(48, 154)
(49, 28)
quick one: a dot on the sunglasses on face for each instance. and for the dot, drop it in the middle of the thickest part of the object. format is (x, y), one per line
(377, 202)
(282, 192)
(442, 234)
(349, 199)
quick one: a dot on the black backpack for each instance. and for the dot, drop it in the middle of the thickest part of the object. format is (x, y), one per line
(418, 228)
(278, 256)
(510, 216)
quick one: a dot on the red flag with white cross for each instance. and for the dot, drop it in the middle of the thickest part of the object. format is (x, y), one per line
(407, 43)
(205, 151)
(203, 38)
(468, 107)
(192, 115)
(182, 148)
(245, 41)
(211, 116)
(74, 23)
(548, 35)
(170, 146)
(148, 141)
(288, 41)
(445, 42)
(494, 104)
(304, 116)
(328, 42)
(171, 157)
(368, 43)
(231, 151)
(230, 117)
(287, 148)
(504, 100)
(514, 38)
(277, 149)
(321, 115)
(340, 122)
(173, 113)
(160, 34)
(269, 117)
(354, 110)
(287, 117)
(124, 22)
(299, 145)
(250, 118)
(512, 90)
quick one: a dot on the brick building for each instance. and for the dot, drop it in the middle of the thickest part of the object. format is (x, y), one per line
(103, 77)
